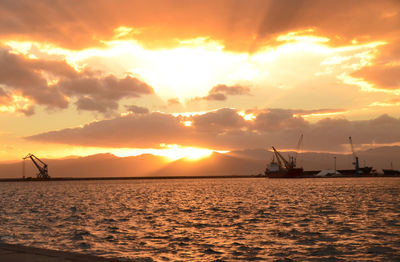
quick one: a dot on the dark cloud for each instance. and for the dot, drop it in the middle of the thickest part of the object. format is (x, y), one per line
(19, 73)
(4, 97)
(239, 25)
(6, 100)
(225, 129)
(330, 133)
(108, 87)
(221, 92)
(216, 97)
(137, 109)
(278, 119)
(28, 111)
(282, 16)
(219, 121)
(174, 101)
(57, 68)
(93, 91)
(141, 130)
(102, 94)
(230, 90)
(92, 104)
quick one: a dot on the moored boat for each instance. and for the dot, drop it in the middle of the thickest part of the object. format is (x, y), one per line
(358, 171)
(391, 172)
(283, 168)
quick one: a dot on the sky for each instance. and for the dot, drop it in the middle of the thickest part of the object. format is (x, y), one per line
(186, 78)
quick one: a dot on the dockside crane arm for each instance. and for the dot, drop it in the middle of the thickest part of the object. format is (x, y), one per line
(44, 164)
(356, 163)
(281, 158)
(352, 147)
(43, 172)
(34, 162)
(298, 148)
(277, 157)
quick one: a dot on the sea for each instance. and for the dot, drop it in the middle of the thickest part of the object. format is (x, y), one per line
(229, 219)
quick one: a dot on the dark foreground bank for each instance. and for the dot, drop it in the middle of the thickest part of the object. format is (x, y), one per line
(307, 174)
(121, 178)
(18, 253)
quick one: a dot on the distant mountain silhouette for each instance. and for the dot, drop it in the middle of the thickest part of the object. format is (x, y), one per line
(100, 165)
(243, 162)
(215, 165)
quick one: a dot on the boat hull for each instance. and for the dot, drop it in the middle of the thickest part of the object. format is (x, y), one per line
(391, 172)
(290, 173)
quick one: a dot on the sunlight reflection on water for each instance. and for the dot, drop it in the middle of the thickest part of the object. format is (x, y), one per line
(208, 219)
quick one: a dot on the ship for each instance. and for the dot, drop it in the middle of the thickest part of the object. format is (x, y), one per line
(357, 171)
(282, 168)
(391, 171)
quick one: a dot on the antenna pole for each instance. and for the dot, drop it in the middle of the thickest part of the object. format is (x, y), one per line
(23, 168)
(334, 163)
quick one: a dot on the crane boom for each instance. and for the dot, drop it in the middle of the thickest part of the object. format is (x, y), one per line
(352, 147)
(39, 160)
(279, 156)
(355, 163)
(43, 171)
(298, 148)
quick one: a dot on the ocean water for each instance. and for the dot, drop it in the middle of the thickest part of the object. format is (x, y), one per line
(257, 219)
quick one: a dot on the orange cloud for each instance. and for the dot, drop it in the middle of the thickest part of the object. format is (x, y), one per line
(220, 92)
(320, 113)
(382, 76)
(383, 72)
(387, 103)
(239, 25)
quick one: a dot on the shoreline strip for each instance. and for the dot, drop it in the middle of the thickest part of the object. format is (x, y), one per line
(20, 253)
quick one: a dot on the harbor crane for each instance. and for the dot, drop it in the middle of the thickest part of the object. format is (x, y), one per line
(284, 167)
(40, 165)
(298, 149)
(280, 159)
(356, 161)
(292, 162)
(293, 159)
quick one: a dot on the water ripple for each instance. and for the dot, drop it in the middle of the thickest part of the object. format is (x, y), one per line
(208, 220)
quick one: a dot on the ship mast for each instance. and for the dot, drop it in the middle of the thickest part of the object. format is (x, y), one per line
(356, 162)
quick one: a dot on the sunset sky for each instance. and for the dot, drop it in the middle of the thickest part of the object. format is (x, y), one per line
(185, 78)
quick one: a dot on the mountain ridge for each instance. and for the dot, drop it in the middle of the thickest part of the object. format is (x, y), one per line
(240, 162)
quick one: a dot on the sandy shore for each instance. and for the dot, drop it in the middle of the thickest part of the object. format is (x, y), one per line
(18, 253)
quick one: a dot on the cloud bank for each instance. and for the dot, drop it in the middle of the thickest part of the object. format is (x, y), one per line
(221, 92)
(226, 129)
(53, 83)
(239, 25)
